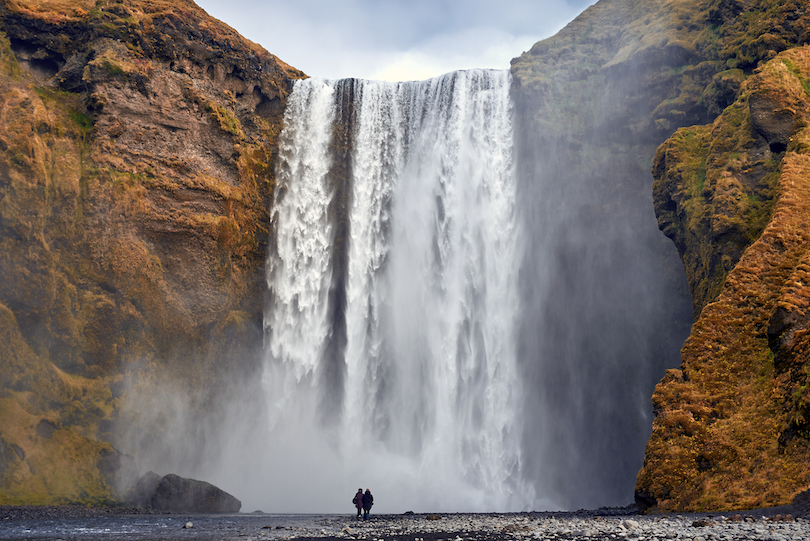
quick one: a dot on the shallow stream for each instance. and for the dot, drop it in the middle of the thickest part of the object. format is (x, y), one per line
(159, 527)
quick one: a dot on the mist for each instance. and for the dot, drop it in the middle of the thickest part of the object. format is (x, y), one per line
(468, 307)
(389, 329)
(604, 300)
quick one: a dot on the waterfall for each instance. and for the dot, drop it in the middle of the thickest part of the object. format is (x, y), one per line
(393, 292)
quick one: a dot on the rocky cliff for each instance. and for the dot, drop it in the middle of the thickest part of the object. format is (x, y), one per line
(730, 428)
(137, 148)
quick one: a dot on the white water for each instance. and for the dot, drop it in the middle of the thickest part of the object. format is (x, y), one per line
(421, 405)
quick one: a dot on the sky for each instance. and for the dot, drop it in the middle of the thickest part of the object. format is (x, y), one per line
(395, 40)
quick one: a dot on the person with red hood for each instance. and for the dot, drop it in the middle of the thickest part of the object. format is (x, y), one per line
(358, 501)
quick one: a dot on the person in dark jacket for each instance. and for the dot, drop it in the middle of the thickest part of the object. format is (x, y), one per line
(358, 501)
(368, 501)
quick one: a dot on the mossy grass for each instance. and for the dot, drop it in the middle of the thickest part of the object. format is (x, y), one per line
(731, 430)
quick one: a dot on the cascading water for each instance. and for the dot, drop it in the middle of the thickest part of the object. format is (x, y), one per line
(466, 310)
(391, 320)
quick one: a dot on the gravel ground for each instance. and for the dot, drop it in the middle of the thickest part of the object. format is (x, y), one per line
(45, 512)
(74, 523)
(552, 527)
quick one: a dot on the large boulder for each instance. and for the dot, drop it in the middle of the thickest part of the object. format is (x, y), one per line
(180, 495)
(141, 494)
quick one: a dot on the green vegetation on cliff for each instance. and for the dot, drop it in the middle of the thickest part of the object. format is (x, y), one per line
(687, 58)
(731, 427)
(137, 142)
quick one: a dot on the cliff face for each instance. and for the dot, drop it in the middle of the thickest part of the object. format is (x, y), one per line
(731, 428)
(605, 315)
(595, 102)
(137, 143)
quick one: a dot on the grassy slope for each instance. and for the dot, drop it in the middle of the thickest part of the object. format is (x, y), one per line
(721, 438)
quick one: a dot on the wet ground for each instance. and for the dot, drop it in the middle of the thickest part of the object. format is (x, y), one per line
(68, 523)
(81, 523)
(163, 527)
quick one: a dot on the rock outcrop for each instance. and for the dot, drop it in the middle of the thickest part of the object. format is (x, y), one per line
(731, 429)
(599, 97)
(141, 494)
(176, 494)
(137, 143)
(180, 495)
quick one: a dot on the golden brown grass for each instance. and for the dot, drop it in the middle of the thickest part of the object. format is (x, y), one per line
(716, 440)
(83, 214)
(137, 13)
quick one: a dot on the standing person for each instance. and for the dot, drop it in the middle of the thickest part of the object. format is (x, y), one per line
(358, 501)
(368, 501)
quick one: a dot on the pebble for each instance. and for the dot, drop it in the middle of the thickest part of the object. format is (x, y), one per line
(630, 524)
(544, 527)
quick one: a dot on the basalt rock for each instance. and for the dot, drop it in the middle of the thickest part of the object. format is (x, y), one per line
(141, 494)
(180, 495)
(175, 494)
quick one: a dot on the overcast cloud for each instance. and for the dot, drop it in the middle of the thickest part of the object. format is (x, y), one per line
(395, 40)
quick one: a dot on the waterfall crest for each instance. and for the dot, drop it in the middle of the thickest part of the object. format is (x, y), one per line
(391, 320)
